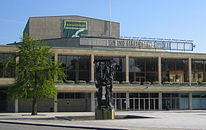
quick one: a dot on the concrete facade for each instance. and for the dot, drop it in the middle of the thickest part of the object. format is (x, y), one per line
(51, 27)
(88, 104)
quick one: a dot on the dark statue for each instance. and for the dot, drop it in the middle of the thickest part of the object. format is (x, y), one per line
(105, 70)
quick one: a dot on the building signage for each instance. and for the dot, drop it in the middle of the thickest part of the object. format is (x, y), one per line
(141, 44)
(125, 43)
(68, 24)
(74, 28)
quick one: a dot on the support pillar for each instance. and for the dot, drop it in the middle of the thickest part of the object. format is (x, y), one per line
(55, 104)
(56, 57)
(159, 70)
(127, 68)
(55, 98)
(92, 68)
(160, 101)
(92, 102)
(190, 100)
(16, 105)
(190, 71)
(127, 101)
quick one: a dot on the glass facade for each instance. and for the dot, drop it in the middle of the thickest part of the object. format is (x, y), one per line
(6, 72)
(199, 71)
(175, 101)
(175, 70)
(121, 69)
(119, 100)
(76, 67)
(143, 69)
(199, 100)
(143, 101)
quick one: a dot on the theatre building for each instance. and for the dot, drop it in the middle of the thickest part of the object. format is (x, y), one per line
(152, 74)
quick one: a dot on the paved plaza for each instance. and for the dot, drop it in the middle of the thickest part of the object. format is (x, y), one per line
(185, 120)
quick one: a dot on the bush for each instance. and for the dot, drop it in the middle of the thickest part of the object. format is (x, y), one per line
(115, 82)
(135, 82)
(81, 82)
(156, 82)
(69, 81)
(147, 82)
(124, 82)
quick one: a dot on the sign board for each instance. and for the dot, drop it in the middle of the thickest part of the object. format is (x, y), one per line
(74, 28)
(180, 45)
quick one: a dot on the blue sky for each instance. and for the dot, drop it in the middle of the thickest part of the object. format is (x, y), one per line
(176, 19)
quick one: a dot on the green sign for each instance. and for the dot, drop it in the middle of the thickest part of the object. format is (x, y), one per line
(73, 28)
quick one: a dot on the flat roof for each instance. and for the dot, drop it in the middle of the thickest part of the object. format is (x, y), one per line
(112, 49)
(72, 16)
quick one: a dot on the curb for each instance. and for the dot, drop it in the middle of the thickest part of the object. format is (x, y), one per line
(63, 126)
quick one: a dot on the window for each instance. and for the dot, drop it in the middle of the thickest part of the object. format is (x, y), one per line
(76, 67)
(198, 70)
(6, 72)
(143, 69)
(175, 70)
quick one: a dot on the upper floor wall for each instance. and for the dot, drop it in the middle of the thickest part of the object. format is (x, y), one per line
(70, 26)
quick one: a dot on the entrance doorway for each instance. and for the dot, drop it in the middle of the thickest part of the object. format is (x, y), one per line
(136, 101)
(119, 101)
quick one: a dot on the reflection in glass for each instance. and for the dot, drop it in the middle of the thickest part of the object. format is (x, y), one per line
(76, 67)
(199, 71)
(6, 72)
(175, 70)
(143, 69)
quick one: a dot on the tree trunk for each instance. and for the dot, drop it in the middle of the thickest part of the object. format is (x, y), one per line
(34, 103)
(34, 107)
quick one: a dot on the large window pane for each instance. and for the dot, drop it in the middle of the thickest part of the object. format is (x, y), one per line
(143, 69)
(6, 72)
(198, 70)
(175, 70)
(76, 67)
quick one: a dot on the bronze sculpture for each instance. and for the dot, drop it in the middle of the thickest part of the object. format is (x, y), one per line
(105, 70)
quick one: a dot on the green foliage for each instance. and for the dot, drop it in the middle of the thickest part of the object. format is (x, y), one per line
(35, 71)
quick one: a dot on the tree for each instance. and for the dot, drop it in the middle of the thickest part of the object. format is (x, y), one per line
(36, 72)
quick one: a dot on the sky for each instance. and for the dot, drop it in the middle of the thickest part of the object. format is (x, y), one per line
(170, 19)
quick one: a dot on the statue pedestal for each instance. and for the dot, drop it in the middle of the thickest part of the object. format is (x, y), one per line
(104, 114)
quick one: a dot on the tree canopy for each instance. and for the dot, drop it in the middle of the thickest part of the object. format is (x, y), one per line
(36, 71)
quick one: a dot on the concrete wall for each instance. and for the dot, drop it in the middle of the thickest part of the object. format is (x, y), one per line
(78, 105)
(52, 27)
(6, 81)
(44, 105)
(10, 105)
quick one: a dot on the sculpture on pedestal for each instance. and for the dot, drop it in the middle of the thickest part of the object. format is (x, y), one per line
(105, 70)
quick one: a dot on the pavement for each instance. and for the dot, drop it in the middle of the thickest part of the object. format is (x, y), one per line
(144, 120)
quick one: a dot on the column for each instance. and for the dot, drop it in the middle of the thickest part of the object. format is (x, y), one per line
(55, 60)
(92, 102)
(92, 68)
(55, 104)
(55, 98)
(17, 61)
(190, 71)
(159, 70)
(127, 68)
(16, 105)
(127, 101)
(160, 101)
(56, 57)
(190, 100)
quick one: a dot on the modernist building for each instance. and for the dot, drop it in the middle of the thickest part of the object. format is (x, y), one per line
(149, 77)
